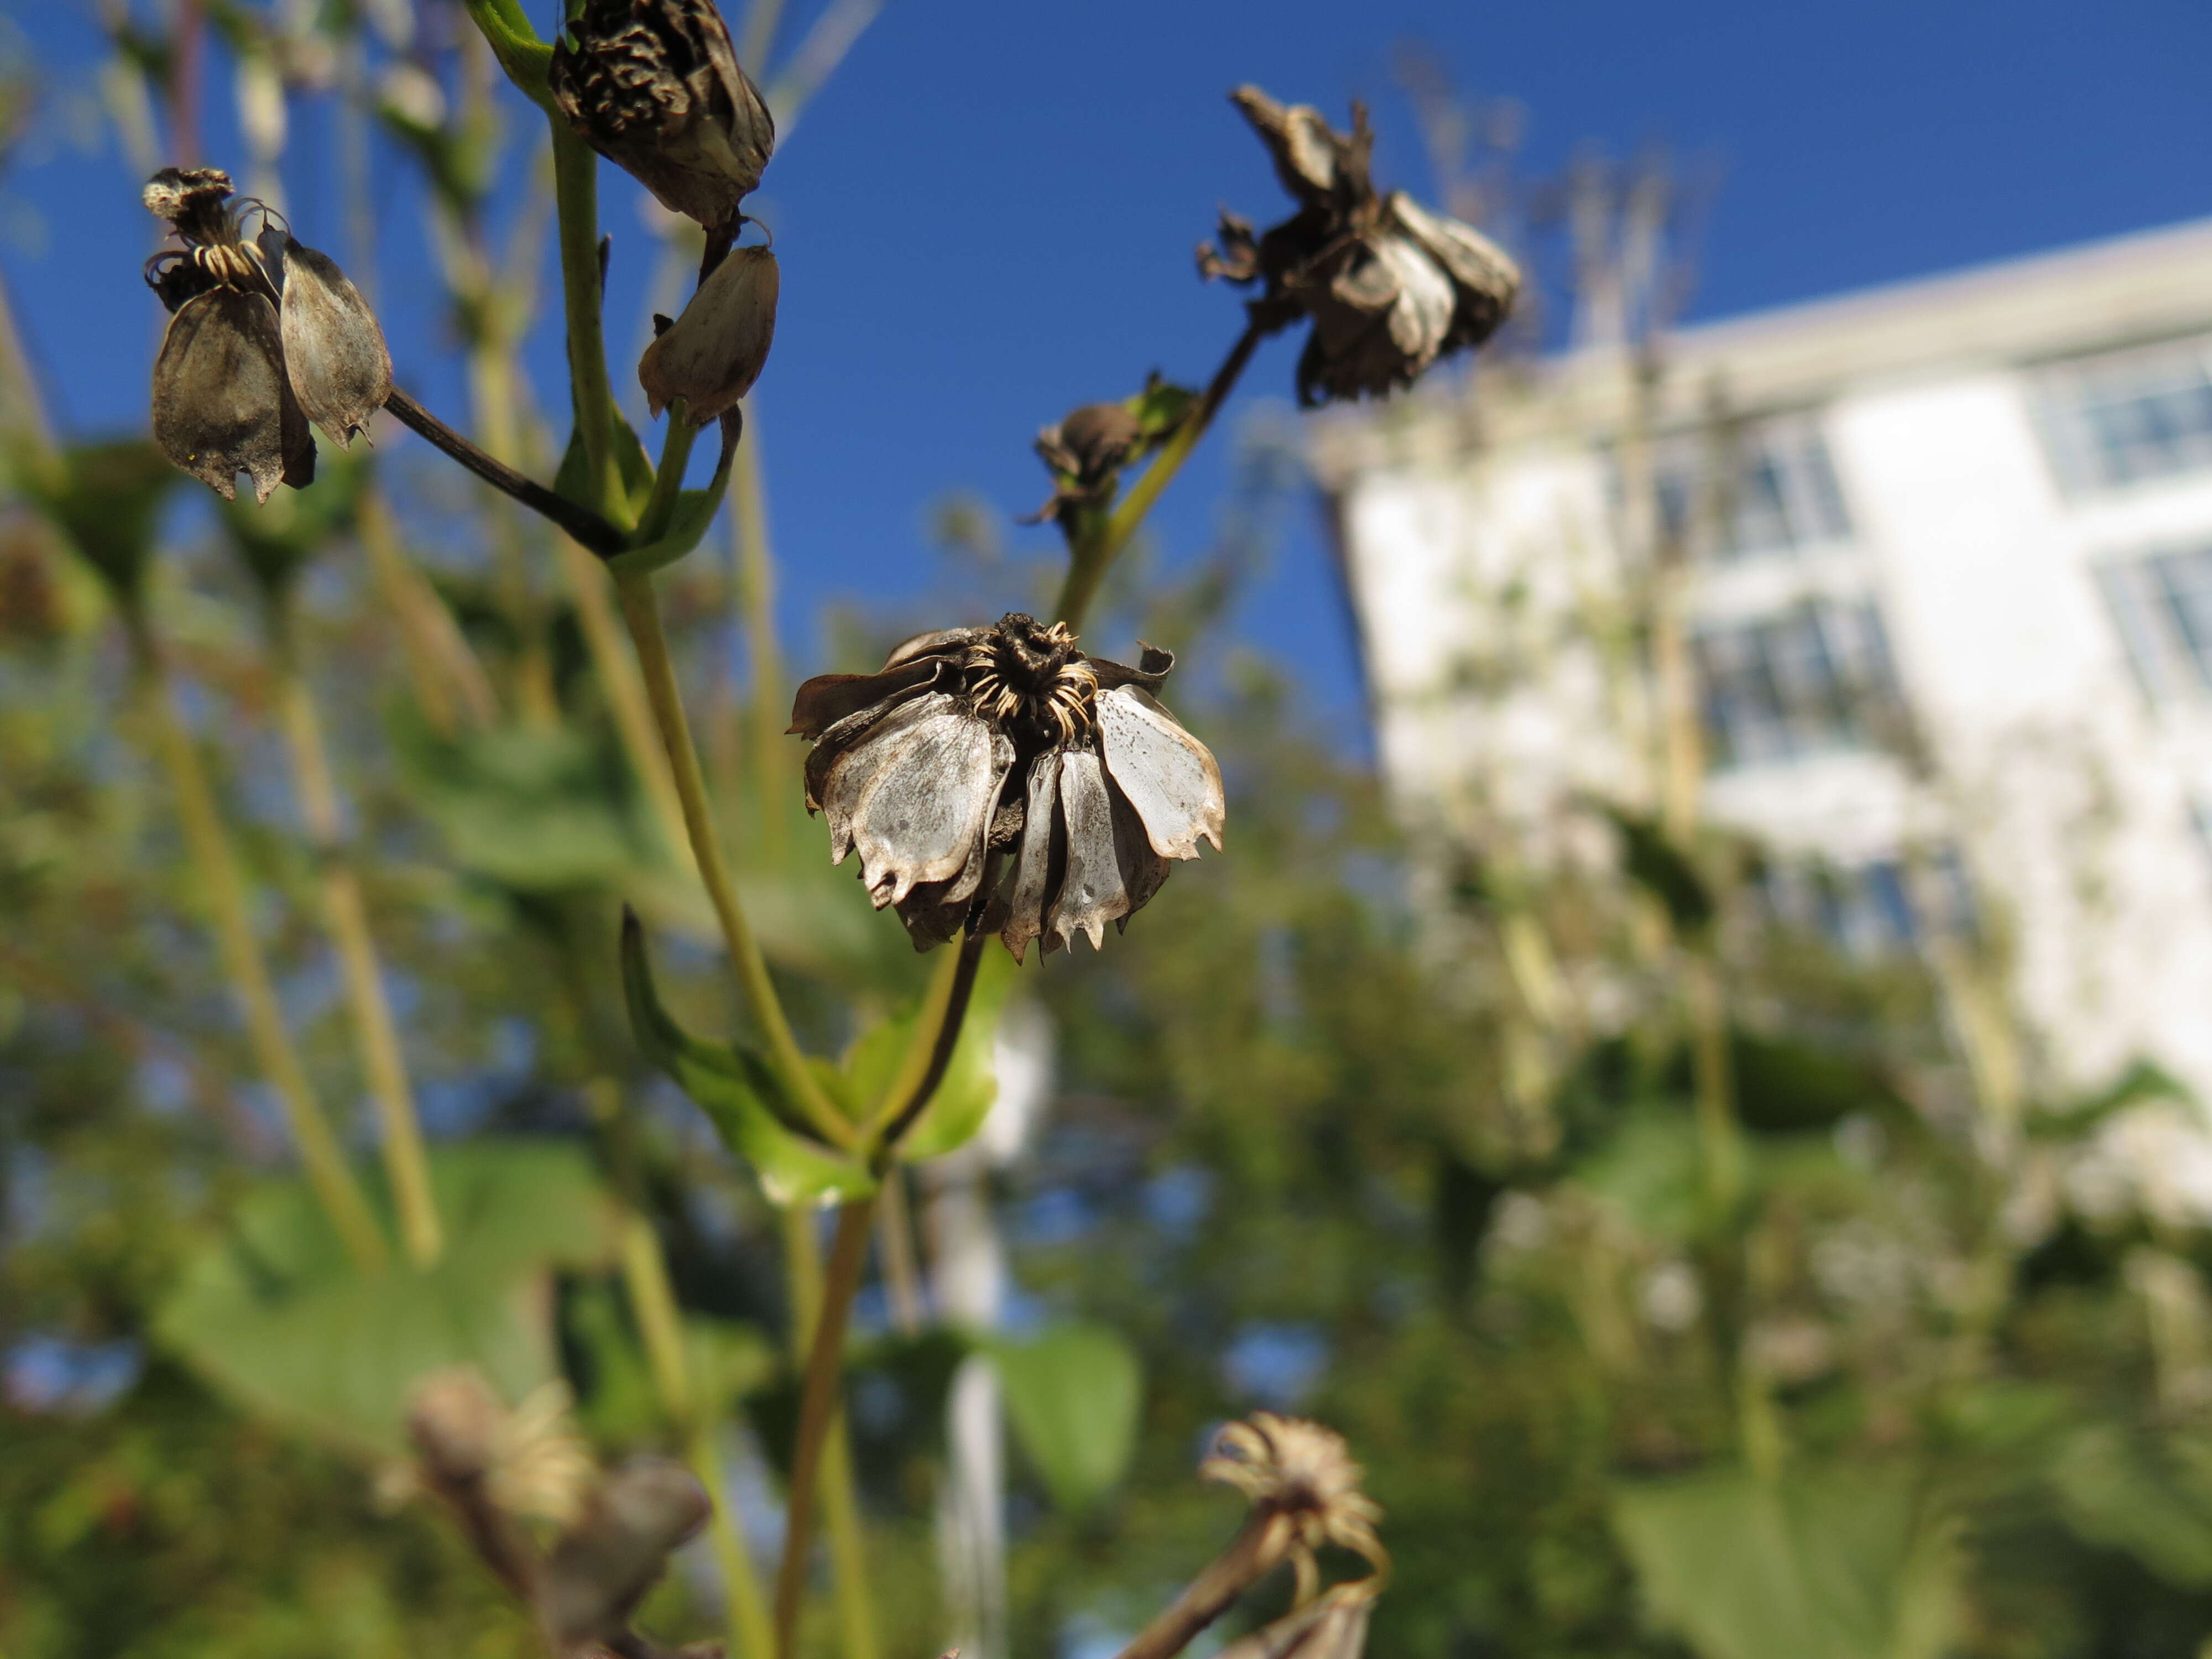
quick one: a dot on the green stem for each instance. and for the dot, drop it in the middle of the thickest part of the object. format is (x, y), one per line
(524, 58)
(311, 1134)
(576, 199)
(817, 1409)
(1090, 559)
(944, 1010)
(642, 611)
(668, 478)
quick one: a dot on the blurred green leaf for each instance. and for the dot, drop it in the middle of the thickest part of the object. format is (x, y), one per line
(106, 499)
(2132, 1491)
(571, 481)
(1654, 863)
(1817, 1563)
(971, 1083)
(737, 1092)
(274, 1314)
(1073, 1395)
(275, 539)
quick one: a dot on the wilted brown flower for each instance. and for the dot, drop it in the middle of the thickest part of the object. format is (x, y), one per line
(998, 780)
(264, 338)
(1086, 453)
(618, 1549)
(711, 356)
(1390, 288)
(1333, 1626)
(655, 86)
(1301, 1476)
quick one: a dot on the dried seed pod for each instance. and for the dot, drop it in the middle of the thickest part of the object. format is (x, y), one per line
(603, 1565)
(222, 404)
(1302, 1476)
(1333, 1626)
(711, 356)
(997, 779)
(655, 86)
(1389, 287)
(334, 352)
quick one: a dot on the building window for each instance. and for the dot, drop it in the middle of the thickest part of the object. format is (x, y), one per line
(1884, 907)
(1815, 677)
(2129, 415)
(1784, 497)
(2162, 604)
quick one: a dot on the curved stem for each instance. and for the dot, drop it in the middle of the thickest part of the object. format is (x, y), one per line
(642, 611)
(818, 1407)
(313, 1136)
(1090, 559)
(668, 478)
(959, 986)
(581, 523)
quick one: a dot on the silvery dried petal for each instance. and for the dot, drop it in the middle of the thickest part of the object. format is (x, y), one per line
(604, 1565)
(222, 404)
(712, 355)
(1309, 157)
(1379, 322)
(997, 779)
(655, 86)
(334, 352)
(1485, 281)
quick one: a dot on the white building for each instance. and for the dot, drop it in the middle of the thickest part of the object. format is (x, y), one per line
(1982, 500)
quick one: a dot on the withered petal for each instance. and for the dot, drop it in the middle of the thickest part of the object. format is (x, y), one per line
(914, 796)
(1033, 866)
(1485, 278)
(937, 642)
(601, 1568)
(1421, 316)
(220, 396)
(827, 699)
(1302, 143)
(334, 352)
(1153, 666)
(1170, 777)
(1090, 893)
(1144, 872)
(712, 355)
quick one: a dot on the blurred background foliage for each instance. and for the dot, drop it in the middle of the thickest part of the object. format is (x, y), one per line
(1858, 1372)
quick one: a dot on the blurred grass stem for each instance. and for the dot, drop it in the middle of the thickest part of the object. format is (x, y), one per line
(376, 1034)
(325, 1164)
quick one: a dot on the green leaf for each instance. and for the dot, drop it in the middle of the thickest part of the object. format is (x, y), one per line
(2151, 1499)
(1654, 863)
(573, 481)
(275, 1316)
(1073, 1397)
(739, 1092)
(1161, 407)
(1819, 1564)
(971, 1082)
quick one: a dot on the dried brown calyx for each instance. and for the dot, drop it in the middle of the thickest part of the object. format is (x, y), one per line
(266, 336)
(998, 780)
(1390, 287)
(655, 86)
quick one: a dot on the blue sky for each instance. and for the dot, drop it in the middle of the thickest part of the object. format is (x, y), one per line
(987, 217)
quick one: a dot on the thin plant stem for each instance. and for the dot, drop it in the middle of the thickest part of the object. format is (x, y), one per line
(751, 1636)
(668, 478)
(848, 1563)
(817, 1407)
(959, 987)
(895, 1250)
(576, 201)
(621, 684)
(376, 1034)
(1090, 559)
(584, 524)
(313, 1137)
(641, 612)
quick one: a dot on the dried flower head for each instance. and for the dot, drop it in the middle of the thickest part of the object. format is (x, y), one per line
(711, 356)
(264, 336)
(529, 1460)
(1390, 287)
(617, 1550)
(1085, 453)
(1332, 1626)
(998, 780)
(655, 86)
(1301, 1477)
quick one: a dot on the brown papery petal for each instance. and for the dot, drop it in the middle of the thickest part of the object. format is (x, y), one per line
(219, 392)
(1033, 869)
(916, 800)
(340, 367)
(1091, 894)
(713, 353)
(1170, 778)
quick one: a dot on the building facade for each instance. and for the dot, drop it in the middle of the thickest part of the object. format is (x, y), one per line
(1946, 556)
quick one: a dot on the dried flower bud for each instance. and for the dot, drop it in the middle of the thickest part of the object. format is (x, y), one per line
(1302, 1476)
(616, 1551)
(1390, 287)
(711, 356)
(998, 780)
(655, 86)
(1085, 453)
(264, 336)
(529, 1461)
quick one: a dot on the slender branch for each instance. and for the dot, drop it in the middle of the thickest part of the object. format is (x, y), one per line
(642, 611)
(576, 199)
(962, 986)
(1088, 560)
(1251, 1555)
(582, 523)
(848, 1254)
